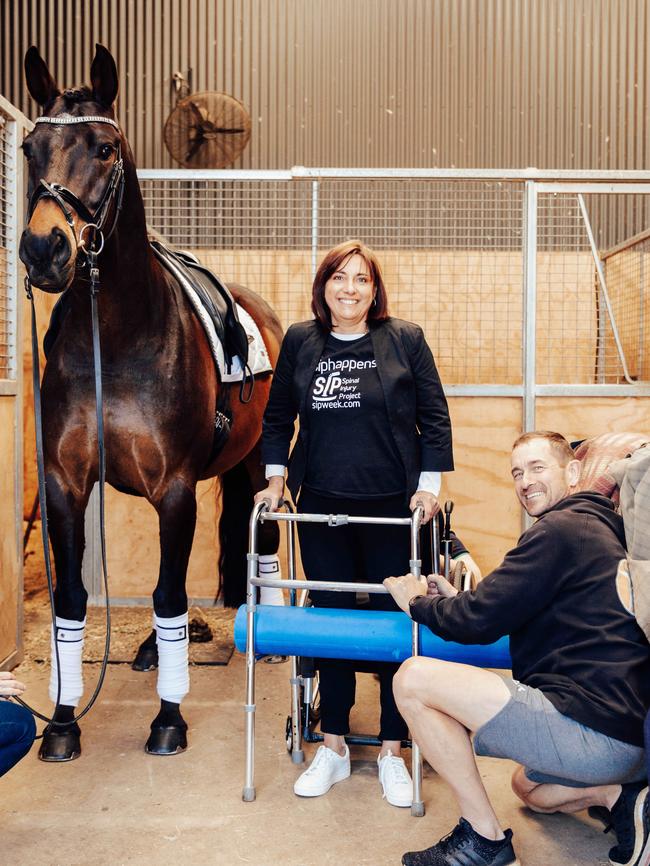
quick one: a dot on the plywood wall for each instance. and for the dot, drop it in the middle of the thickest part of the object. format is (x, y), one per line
(10, 580)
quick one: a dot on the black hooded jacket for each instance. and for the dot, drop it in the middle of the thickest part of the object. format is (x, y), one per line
(570, 635)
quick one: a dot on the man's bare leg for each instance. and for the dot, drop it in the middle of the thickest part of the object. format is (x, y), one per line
(545, 797)
(442, 702)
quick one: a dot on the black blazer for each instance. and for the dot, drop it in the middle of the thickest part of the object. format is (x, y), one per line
(415, 402)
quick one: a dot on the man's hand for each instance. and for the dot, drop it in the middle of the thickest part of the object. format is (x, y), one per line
(429, 503)
(404, 588)
(439, 587)
(9, 685)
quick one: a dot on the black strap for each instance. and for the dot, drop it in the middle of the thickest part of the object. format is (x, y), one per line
(42, 495)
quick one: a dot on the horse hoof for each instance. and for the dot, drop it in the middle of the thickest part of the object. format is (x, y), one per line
(146, 659)
(59, 746)
(168, 740)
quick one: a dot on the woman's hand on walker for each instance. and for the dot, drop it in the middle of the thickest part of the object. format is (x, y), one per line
(9, 685)
(429, 503)
(271, 494)
(404, 588)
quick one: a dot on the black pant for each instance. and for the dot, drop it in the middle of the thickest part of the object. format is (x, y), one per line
(354, 553)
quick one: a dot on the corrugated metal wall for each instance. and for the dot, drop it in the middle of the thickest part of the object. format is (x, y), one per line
(466, 83)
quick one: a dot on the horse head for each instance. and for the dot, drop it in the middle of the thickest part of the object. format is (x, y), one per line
(76, 176)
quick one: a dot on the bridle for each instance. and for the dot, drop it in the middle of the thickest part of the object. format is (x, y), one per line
(95, 222)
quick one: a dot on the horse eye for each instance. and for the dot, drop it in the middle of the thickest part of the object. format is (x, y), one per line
(105, 151)
(27, 150)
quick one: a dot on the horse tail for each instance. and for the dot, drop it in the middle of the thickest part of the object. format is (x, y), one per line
(236, 506)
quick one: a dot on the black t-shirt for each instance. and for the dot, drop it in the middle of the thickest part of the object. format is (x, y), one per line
(351, 450)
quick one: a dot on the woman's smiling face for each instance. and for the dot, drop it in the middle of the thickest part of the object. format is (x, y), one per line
(349, 292)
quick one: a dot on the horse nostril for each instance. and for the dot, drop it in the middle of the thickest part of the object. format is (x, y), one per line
(60, 247)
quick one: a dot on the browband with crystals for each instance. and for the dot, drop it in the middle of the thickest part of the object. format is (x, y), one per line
(68, 118)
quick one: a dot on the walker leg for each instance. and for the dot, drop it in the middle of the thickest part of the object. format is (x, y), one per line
(248, 794)
(417, 807)
(297, 754)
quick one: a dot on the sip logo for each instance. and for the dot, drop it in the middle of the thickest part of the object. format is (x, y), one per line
(326, 388)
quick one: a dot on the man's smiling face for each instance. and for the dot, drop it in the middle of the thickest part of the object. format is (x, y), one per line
(540, 479)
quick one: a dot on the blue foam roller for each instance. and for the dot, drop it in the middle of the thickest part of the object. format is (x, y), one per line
(356, 634)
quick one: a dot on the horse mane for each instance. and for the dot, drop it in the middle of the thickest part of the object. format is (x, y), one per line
(71, 100)
(77, 94)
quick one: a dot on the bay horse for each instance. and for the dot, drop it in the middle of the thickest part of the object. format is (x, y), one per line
(159, 380)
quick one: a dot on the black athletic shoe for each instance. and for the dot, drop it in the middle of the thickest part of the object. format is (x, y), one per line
(464, 847)
(602, 814)
(631, 823)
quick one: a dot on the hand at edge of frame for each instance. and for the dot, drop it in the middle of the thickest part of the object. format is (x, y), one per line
(9, 685)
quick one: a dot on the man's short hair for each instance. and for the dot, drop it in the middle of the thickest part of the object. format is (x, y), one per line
(558, 443)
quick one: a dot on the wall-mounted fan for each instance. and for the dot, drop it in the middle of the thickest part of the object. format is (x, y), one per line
(207, 129)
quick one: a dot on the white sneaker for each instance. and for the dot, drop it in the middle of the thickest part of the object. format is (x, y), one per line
(395, 780)
(325, 770)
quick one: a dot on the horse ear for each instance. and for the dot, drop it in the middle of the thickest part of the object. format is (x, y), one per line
(40, 83)
(103, 75)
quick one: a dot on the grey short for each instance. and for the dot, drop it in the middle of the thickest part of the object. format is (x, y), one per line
(554, 748)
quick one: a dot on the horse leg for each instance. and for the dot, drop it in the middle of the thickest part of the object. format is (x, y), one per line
(238, 486)
(66, 521)
(177, 517)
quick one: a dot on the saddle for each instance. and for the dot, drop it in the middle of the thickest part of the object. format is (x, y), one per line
(214, 296)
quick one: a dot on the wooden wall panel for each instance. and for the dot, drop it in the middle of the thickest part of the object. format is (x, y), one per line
(581, 417)
(133, 544)
(486, 514)
(10, 579)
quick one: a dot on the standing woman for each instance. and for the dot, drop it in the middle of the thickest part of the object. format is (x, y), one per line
(374, 437)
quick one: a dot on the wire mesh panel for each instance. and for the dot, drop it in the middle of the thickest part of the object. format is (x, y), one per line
(576, 335)
(7, 325)
(451, 252)
(627, 276)
(253, 232)
(453, 258)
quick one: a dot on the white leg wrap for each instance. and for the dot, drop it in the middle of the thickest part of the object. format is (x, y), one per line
(269, 565)
(172, 639)
(70, 642)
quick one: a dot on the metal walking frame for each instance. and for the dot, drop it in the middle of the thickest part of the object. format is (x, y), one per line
(260, 514)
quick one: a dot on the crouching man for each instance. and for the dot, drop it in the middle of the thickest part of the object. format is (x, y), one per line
(572, 715)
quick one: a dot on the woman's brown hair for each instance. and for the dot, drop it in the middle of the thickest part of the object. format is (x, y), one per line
(332, 262)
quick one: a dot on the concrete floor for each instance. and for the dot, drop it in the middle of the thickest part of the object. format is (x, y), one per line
(116, 805)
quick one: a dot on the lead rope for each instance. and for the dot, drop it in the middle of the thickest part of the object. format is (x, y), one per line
(40, 463)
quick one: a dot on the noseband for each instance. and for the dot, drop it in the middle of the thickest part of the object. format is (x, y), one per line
(114, 191)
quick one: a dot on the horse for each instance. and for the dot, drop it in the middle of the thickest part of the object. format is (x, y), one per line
(160, 386)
